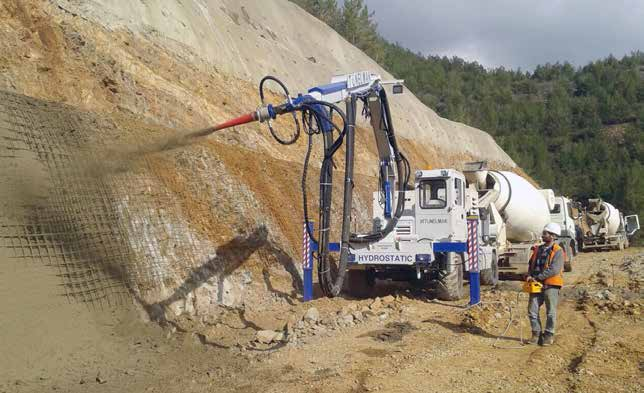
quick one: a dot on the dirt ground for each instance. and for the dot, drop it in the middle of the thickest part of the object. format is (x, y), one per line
(402, 341)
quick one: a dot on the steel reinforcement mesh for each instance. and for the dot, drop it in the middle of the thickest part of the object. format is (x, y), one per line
(55, 211)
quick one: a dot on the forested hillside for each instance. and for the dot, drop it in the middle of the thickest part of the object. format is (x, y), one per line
(577, 130)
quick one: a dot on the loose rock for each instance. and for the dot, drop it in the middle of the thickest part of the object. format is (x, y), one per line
(266, 336)
(312, 315)
(376, 304)
(347, 319)
(388, 299)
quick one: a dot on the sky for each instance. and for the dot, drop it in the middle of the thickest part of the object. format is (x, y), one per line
(514, 33)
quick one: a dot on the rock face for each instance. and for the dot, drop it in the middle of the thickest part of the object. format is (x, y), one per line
(251, 39)
(103, 89)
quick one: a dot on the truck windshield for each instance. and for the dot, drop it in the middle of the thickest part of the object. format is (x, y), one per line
(433, 194)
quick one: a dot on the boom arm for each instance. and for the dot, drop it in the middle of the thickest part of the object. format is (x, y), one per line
(316, 107)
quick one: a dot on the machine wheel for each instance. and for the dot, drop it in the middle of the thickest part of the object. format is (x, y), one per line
(451, 285)
(568, 265)
(359, 283)
(575, 250)
(568, 262)
(491, 276)
(567, 248)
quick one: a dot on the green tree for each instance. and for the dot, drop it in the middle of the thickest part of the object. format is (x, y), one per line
(579, 130)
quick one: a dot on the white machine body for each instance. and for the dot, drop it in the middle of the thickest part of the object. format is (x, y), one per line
(434, 221)
(523, 207)
(602, 226)
(562, 214)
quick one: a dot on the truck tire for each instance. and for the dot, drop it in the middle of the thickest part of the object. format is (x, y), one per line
(569, 255)
(568, 261)
(358, 284)
(575, 249)
(450, 286)
(491, 276)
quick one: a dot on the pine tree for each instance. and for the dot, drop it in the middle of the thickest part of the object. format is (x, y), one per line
(580, 130)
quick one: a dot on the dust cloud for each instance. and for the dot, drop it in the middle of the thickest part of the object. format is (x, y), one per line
(121, 157)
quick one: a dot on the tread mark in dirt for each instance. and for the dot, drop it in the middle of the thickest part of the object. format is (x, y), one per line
(375, 352)
(362, 380)
(574, 365)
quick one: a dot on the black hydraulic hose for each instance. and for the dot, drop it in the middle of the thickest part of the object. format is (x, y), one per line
(307, 157)
(402, 165)
(402, 174)
(336, 288)
(296, 134)
(407, 168)
(390, 128)
(326, 189)
(329, 149)
(310, 115)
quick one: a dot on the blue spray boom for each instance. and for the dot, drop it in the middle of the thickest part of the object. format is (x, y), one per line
(340, 89)
(317, 108)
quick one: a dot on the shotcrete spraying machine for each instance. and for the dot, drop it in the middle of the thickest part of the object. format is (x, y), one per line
(419, 232)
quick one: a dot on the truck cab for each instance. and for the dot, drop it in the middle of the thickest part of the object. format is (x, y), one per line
(429, 242)
(601, 226)
(562, 214)
(441, 207)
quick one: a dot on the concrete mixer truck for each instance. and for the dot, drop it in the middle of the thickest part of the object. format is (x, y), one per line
(517, 211)
(601, 226)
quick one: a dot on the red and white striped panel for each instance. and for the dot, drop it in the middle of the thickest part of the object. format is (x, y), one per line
(306, 249)
(472, 245)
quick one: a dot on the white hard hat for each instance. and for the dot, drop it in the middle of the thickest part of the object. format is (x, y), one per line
(554, 228)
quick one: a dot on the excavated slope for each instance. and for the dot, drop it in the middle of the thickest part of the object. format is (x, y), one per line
(250, 39)
(93, 95)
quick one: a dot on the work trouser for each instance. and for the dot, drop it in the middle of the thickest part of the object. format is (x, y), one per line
(550, 296)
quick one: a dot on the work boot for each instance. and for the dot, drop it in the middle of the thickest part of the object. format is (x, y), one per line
(535, 338)
(548, 339)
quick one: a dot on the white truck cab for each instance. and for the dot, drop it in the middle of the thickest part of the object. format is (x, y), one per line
(562, 214)
(429, 242)
(441, 206)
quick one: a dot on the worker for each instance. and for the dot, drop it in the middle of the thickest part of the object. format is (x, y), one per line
(546, 267)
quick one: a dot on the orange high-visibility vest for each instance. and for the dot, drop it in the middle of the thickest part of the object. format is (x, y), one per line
(557, 279)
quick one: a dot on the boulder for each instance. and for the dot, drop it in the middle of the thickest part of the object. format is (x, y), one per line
(267, 336)
(312, 315)
(376, 304)
(388, 299)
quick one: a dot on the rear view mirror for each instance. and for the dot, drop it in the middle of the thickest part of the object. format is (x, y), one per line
(397, 89)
